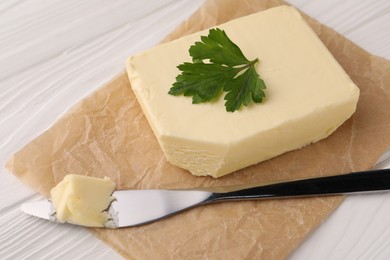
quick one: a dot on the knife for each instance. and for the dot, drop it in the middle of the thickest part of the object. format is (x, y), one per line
(138, 207)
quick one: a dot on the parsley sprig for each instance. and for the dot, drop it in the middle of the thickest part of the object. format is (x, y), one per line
(218, 65)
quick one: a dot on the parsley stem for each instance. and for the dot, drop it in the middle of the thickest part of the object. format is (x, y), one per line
(249, 64)
(252, 62)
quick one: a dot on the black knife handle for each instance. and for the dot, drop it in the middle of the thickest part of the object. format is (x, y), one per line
(364, 181)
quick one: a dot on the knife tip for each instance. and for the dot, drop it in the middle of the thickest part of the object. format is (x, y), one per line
(39, 208)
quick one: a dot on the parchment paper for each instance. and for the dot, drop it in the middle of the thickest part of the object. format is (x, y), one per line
(106, 134)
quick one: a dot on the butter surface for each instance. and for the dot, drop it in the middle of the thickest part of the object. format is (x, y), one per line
(308, 96)
(82, 200)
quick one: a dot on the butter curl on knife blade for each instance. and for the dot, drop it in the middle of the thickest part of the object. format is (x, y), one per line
(137, 207)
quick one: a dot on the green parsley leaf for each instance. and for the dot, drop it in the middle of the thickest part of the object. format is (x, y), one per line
(218, 65)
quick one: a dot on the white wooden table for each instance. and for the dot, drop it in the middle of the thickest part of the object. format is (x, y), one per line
(54, 53)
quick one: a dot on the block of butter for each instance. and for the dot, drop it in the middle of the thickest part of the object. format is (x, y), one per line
(308, 96)
(82, 200)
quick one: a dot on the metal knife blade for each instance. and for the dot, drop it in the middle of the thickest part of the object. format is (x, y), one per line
(129, 210)
(38, 208)
(137, 207)
(133, 207)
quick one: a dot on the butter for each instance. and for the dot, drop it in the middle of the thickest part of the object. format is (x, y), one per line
(308, 96)
(82, 200)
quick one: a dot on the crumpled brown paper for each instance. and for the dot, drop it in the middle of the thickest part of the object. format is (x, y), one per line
(106, 134)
